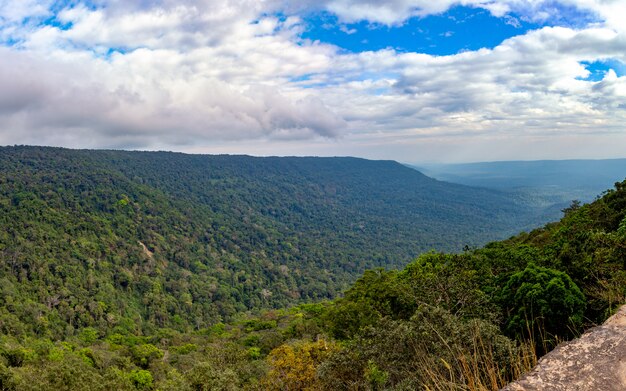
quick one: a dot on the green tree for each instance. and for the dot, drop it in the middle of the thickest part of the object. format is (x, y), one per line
(141, 379)
(539, 300)
(144, 354)
(204, 377)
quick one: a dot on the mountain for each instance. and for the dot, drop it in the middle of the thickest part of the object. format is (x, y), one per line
(114, 239)
(551, 184)
(117, 268)
(476, 320)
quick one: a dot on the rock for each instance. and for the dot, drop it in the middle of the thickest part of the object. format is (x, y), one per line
(594, 362)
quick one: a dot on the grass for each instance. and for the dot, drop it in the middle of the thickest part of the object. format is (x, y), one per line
(477, 369)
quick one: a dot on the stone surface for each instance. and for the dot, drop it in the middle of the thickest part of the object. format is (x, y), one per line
(594, 362)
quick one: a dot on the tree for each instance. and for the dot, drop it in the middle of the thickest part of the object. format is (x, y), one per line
(204, 377)
(539, 300)
(141, 379)
(295, 367)
(144, 354)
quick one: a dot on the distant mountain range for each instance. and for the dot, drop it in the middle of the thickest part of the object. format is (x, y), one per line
(551, 184)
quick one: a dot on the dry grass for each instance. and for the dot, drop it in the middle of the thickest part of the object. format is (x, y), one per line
(476, 369)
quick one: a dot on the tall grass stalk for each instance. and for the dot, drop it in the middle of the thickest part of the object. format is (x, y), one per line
(476, 368)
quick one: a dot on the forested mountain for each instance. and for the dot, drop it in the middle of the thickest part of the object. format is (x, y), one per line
(137, 240)
(473, 320)
(116, 280)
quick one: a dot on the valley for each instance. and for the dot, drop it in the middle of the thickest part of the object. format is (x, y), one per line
(158, 270)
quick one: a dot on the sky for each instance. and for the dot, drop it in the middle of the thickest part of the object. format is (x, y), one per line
(409, 80)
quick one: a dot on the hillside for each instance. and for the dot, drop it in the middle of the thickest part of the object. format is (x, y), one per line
(113, 280)
(475, 320)
(137, 240)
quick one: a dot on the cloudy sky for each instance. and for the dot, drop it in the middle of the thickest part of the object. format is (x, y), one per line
(411, 80)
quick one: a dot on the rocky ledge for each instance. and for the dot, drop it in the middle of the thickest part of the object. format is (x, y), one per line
(594, 362)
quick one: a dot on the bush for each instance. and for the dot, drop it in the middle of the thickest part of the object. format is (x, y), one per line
(432, 349)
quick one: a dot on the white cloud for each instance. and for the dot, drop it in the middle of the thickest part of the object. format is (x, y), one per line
(180, 74)
(131, 100)
(17, 11)
(394, 12)
(529, 85)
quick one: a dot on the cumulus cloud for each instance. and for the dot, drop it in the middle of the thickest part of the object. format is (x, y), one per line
(394, 12)
(179, 74)
(170, 73)
(102, 103)
(535, 78)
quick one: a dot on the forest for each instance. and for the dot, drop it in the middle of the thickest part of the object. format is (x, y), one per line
(137, 240)
(162, 271)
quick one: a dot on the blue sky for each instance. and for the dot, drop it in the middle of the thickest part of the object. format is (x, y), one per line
(458, 29)
(411, 80)
(599, 68)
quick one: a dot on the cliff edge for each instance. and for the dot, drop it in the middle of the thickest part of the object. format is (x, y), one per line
(595, 361)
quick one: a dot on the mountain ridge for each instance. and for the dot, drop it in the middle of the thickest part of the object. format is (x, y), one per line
(227, 233)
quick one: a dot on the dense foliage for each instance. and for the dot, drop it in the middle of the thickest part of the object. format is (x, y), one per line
(116, 274)
(541, 299)
(478, 319)
(134, 241)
